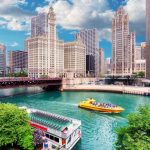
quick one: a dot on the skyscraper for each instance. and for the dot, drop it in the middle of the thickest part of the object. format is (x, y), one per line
(148, 21)
(140, 65)
(45, 51)
(147, 51)
(129, 59)
(18, 61)
(90, 39)
(143, 48)
(39, 25)
(102, 61)
(123, 44)
(140, 62)
(2, 60)
(139, 51)
(37, 56)
(75, 58)
(108, 66)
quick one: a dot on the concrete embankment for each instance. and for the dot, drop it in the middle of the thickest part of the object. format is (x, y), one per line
(109, 88)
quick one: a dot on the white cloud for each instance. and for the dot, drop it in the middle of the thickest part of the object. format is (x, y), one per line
(12, 16)
(14, 25)
(28, 33)
(105, 34)
(3, 23)
(83, 14)
(136, 11)
(12, 2)
(88, 14)
(14, 44)
(2, 43)
(73, 32)
(50, 1)
(74, 15)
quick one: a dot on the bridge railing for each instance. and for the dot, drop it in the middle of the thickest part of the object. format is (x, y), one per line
(25, 79)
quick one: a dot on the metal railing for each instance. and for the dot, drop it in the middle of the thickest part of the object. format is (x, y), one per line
(26, 79)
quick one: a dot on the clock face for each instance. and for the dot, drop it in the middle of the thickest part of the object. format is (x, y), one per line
(52, 17)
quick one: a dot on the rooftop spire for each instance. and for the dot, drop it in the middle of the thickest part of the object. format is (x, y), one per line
(51, 13)
(51, 9)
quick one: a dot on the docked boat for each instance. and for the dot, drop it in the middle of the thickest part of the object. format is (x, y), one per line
(101, 107)
(61, 132)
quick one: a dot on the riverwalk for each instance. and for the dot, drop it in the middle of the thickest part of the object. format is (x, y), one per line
(109, 88)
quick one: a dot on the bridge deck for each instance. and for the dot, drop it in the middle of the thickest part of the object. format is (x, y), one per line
(17, 82)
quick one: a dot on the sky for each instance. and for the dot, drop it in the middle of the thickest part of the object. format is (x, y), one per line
(71, 15)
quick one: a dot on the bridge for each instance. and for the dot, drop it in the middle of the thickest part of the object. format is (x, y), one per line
(45, 83)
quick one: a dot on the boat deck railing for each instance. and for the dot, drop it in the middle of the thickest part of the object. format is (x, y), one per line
(50, 120)
(55, 123)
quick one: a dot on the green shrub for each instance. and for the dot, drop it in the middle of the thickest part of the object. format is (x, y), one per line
(136, 135)
(14, 127)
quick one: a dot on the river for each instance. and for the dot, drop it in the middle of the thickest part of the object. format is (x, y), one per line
(98, 129)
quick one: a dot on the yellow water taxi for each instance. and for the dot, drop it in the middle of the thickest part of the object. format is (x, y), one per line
(101, 107)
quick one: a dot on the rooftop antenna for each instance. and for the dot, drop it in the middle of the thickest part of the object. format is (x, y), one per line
(52, 2)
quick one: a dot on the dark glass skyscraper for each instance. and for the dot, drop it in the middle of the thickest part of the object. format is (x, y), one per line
(90, 39)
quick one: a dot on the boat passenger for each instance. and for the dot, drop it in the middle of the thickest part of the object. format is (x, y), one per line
(95, 103)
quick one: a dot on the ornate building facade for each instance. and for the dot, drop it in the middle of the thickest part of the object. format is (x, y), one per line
(44, 49)
(123, 45)
(75, 58)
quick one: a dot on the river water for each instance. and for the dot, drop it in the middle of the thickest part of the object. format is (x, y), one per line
(98, 129)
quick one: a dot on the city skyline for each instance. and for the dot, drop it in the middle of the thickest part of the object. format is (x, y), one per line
(101, 13)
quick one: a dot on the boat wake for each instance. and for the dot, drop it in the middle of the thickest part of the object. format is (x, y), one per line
(63, 103)
(112, 116)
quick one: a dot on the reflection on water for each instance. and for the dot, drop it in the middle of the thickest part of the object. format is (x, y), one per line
(18, 91)
(98, 129)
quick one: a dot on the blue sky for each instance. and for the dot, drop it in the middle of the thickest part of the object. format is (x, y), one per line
(72, 15)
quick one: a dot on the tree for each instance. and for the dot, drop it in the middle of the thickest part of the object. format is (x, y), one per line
(141, 74)
(136, 135)
(135, 75)
(44, 76)
(14, 127)
(18, 74)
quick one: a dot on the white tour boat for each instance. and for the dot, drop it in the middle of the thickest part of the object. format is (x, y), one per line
(62, 133)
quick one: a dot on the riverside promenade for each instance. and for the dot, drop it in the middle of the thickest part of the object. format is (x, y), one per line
(109, 88)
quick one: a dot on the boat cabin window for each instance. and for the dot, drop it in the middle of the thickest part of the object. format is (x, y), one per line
(47, 135)
(52, 137)
(56, 139)
(69, 140)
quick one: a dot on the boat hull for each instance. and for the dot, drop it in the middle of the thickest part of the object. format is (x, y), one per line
(101, 109)
(89, 106)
